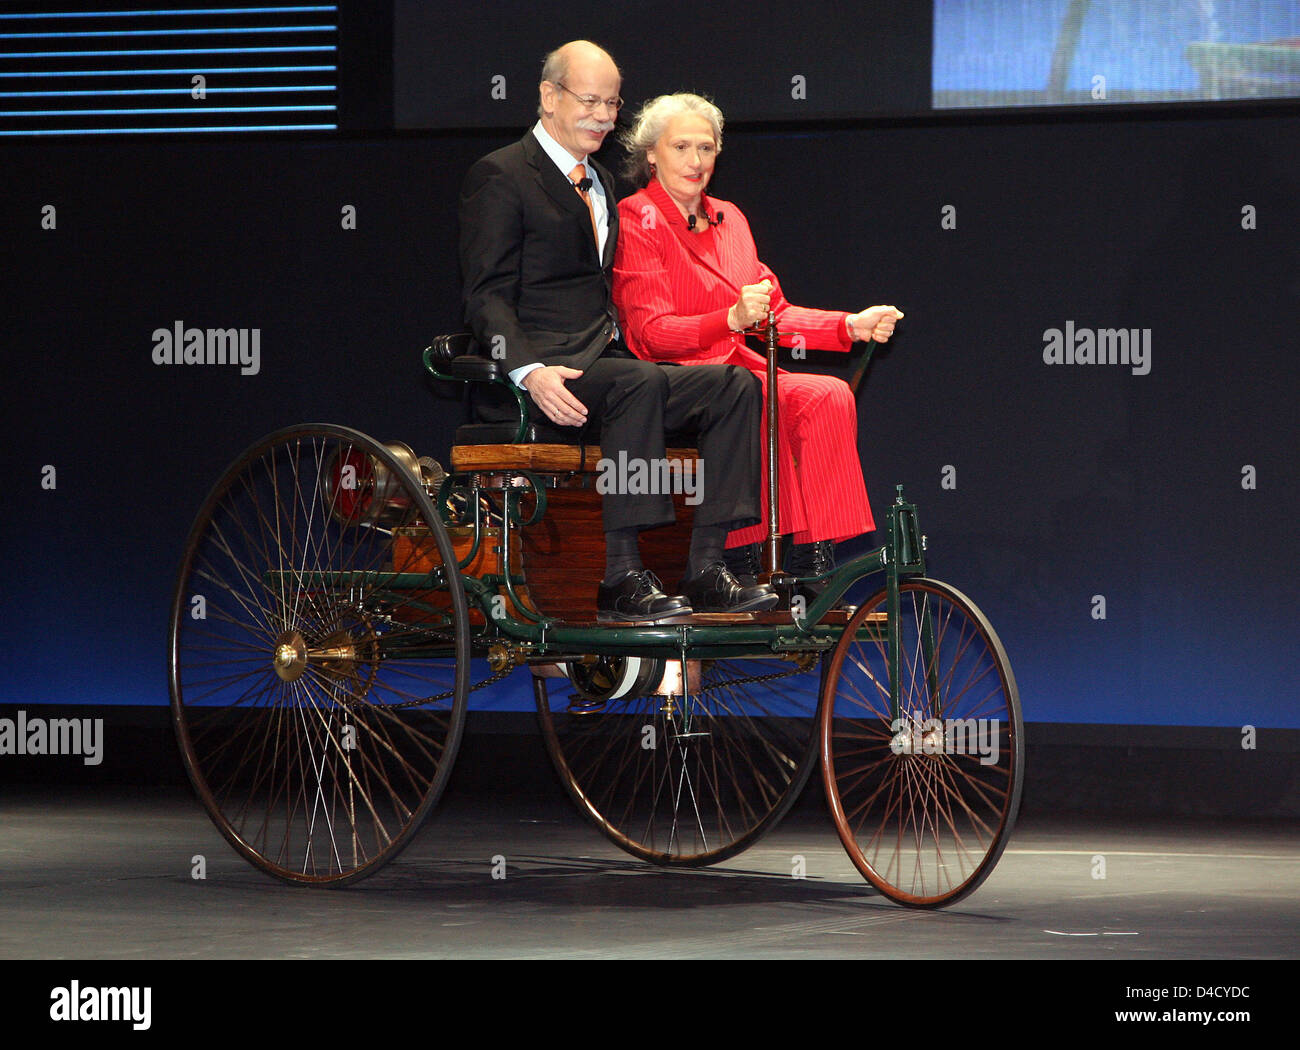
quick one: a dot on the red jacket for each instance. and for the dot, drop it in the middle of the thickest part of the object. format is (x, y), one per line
(673, 287)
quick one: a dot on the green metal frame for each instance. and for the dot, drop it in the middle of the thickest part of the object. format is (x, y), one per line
(552, 639)
(506, 384)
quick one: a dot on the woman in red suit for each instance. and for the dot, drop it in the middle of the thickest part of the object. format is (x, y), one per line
(687, 281)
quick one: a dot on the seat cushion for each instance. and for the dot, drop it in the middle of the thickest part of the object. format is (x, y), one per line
(472, 367)
(538, 430)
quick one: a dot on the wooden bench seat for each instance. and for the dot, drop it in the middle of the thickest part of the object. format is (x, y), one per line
(542, 459)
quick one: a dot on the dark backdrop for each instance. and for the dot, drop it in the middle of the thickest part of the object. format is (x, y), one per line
(1070, 481)
(760, 59)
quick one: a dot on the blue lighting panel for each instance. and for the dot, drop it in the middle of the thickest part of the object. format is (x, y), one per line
(201, 69)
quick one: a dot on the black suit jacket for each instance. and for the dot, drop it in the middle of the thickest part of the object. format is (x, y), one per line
(534, 289)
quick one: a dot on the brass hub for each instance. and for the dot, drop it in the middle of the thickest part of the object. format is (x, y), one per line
(347, 659)
(289, 656)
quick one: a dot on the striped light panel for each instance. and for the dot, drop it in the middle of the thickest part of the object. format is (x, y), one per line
(110, 69)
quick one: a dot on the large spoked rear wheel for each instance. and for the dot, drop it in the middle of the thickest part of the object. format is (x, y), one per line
(684, 780)
(924, 804)
(318, 697)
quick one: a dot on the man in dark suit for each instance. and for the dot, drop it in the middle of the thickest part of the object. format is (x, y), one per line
(538, 230)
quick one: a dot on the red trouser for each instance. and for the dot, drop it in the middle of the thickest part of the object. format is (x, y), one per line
(823, 496)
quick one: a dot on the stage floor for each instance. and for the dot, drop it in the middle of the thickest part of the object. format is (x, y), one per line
(108, 875)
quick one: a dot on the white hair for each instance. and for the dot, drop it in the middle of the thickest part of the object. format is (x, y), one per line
(649, 125)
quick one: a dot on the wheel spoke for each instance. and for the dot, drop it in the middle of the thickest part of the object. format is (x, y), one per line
(315, 746)
(687, 779)
(923, 814)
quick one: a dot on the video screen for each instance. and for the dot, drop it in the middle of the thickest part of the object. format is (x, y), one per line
(996, 53)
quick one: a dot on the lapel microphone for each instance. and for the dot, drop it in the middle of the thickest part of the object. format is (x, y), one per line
(690, 220)
(583, 184)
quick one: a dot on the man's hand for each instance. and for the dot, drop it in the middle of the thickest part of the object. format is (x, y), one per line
(546, 385)
(751, 307)
(876, 322)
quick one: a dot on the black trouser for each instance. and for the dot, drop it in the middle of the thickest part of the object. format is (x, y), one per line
(638, 401)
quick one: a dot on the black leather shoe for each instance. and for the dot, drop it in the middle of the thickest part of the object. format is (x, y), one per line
(812, 559)
(716, 590)
(744, 563)
(637, 596)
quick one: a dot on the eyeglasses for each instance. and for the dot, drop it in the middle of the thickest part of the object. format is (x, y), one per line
(592, 102)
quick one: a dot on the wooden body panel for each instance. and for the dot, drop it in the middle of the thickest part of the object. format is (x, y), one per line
(564, 553)
(414, 550)
(562, 557)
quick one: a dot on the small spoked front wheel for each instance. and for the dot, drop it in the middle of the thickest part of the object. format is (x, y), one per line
(924, 796)
(318, 690)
